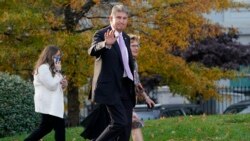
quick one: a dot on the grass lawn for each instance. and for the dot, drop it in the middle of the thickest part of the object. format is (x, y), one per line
(192, 128)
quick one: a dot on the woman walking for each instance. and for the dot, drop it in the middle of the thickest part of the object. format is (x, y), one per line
(49, 99)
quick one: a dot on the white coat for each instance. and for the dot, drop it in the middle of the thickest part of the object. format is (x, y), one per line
(49, 98)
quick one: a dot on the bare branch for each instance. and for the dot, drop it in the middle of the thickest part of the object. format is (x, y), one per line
(72, 17)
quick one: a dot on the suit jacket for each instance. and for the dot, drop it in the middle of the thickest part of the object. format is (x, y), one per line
(108, 71)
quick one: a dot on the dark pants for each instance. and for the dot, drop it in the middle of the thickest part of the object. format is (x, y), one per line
(48, 123)
(120, 114)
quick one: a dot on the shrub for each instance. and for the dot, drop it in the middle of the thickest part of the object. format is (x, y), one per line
(16, 105)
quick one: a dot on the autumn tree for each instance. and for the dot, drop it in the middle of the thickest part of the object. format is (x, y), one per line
(176, 25)
(164, 25)
(27, 26)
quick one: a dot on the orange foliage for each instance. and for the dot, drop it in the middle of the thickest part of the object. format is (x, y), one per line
(163, 25)
(173, 24)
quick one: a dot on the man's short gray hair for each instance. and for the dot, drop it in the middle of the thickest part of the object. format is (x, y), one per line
(119, 8)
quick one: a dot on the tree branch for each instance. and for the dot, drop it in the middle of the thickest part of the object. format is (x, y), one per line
(72, 17)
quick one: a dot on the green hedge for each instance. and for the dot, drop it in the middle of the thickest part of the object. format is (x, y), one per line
(16, 105)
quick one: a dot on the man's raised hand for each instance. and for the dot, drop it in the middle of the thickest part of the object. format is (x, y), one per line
(110, 37)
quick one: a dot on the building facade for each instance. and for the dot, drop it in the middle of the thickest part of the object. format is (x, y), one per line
(237, 18)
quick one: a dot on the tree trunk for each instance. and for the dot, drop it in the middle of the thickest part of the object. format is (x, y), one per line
(73, 105)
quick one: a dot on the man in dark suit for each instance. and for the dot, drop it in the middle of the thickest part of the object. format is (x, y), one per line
(113, 84)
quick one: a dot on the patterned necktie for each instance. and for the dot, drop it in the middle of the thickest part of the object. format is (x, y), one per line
(124, 53)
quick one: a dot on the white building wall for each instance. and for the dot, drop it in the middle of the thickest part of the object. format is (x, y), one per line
(237, 18)
(164, 96)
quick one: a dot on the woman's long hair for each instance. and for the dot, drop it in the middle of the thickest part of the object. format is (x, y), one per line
(46, 57)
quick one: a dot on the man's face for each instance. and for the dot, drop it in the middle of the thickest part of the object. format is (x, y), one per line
(134, 45)
(119, 21)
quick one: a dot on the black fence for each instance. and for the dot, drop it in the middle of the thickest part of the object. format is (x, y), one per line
(227, 97)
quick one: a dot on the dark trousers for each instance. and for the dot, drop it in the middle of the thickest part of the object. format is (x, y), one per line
(120, 114)
(48, 123)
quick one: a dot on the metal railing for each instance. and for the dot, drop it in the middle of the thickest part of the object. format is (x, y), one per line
(227, 97)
